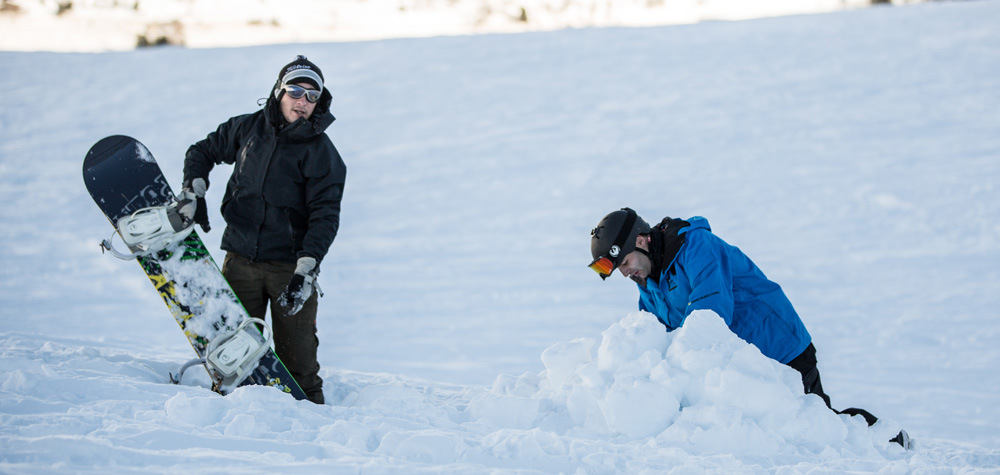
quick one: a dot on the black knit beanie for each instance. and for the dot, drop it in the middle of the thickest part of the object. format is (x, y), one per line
(299, 70)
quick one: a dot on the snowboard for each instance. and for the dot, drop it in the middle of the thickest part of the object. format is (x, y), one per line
(122, 178)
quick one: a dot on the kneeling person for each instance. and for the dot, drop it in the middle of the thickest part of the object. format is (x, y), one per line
(680, 267)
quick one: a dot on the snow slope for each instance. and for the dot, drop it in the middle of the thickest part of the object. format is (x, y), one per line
(853, 155)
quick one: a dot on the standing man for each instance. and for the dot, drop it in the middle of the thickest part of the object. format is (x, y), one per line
(281, 207)
(680, 267)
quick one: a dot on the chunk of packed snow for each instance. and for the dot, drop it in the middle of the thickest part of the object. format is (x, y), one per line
(699, 387)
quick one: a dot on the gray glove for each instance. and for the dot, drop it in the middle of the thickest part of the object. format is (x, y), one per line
(300, 287)
(191, 203)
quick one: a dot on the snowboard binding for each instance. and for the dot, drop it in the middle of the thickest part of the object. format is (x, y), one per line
(148, 231)
(230, 357)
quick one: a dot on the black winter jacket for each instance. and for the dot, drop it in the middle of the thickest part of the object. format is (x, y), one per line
(283, 198)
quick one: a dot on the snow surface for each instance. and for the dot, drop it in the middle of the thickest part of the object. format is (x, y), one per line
(854, 156)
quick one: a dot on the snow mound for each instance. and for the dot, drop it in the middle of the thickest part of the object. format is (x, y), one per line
(697, 399)
(700, 388)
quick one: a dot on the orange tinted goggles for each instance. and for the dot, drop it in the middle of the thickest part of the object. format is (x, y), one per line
(603, 266)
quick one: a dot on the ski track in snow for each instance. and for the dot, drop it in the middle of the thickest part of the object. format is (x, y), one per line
(853, 156)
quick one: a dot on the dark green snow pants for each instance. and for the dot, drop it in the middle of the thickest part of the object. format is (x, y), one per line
(258, 285)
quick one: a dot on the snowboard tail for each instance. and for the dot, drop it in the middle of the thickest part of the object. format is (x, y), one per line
(122, 177)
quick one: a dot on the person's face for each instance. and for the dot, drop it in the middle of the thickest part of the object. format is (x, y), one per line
(636, 265)
(293, 109)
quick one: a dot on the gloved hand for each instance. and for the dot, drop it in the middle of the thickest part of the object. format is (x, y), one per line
(191, 202)
(300, 287)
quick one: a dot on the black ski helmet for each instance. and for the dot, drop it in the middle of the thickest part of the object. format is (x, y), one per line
(614, 238)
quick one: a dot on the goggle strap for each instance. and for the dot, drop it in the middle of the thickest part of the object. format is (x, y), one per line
(625, 230)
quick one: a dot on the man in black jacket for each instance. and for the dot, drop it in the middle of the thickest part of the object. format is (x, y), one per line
(282, 208)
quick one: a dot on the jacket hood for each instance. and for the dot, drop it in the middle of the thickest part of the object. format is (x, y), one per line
(667, 237)
(696, 222)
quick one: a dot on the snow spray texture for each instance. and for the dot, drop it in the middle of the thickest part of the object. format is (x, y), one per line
(123, 178)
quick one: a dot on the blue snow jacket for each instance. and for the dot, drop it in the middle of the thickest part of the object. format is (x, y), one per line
(708, 273)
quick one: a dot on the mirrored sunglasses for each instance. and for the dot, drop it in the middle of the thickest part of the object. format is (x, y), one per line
(603, 266)
(296, 92)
